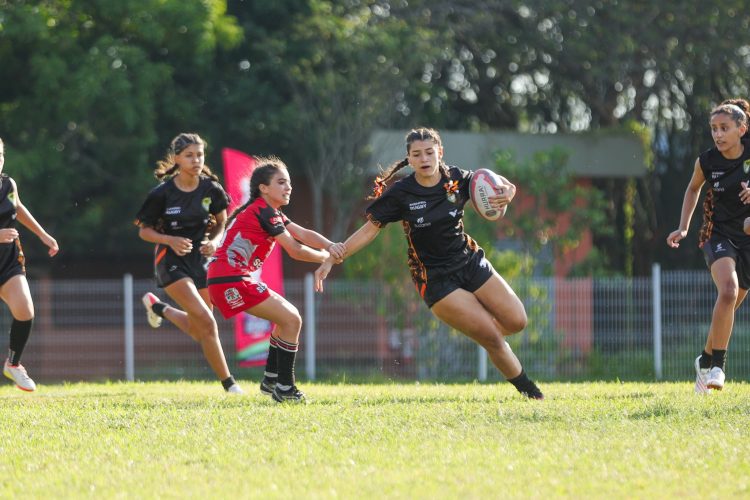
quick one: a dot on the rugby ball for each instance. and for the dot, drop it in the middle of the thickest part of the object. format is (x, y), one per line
(486, 183)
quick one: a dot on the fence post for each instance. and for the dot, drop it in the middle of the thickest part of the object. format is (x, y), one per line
(127, 292)
(656, 295)
(309, 326)
(481, 364)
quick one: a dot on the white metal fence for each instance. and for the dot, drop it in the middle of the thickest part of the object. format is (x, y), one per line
(602, 328)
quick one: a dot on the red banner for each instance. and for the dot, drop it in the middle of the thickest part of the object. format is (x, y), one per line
(251, 334)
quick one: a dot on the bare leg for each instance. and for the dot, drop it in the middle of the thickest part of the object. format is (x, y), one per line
(725, 277)
(201, 324)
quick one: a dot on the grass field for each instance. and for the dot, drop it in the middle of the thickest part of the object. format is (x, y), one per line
(187, 439)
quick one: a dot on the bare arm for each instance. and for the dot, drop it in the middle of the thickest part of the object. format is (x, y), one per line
(354, 243)
(24, 217)
(688, 206)
(308, 236)
(298, 251)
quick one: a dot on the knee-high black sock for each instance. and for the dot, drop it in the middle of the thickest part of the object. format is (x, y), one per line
(19, 335)
(272, 363)
(286, 354)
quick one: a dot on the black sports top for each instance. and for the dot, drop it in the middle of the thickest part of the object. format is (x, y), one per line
(432, 219)
(723, 210)
(7, 203)
(172, 211)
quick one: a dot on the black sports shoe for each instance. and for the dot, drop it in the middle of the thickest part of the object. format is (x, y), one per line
(532, 392)
(293, 394)
(267, 385)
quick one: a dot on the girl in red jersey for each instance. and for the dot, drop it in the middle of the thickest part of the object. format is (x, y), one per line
(447, 266)
(184, 216)
(14, 289)
(233, 274)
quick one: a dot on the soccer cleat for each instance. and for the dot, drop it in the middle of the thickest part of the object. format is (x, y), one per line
(18, 375)
(701, 375)
(715, 378)
(235, 389)
(149, 299)
(267, 385)
(292, 394)
(533, 392)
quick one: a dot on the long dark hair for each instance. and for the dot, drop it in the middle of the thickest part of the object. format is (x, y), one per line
(417, 134)
(266, 167)
(166, 167)
(740, 103)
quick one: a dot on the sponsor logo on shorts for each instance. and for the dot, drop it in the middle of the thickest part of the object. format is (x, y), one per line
(719, 248)
(261, 287)
(233, 298)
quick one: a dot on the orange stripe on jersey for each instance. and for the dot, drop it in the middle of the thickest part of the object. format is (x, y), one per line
(160, 255)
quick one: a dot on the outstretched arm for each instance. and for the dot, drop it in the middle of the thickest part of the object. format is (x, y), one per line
(24, 217)
(314, 239)
(357, 241)
(298, 251)
(688, 206)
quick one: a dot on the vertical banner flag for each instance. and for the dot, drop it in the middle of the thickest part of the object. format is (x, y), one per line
(251, 334)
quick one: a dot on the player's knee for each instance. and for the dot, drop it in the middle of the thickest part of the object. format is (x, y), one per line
(728, 292)
(205, 325)
(517, 322)
(292, 322)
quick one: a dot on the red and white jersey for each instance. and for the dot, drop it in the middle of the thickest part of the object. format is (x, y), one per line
(248, 240)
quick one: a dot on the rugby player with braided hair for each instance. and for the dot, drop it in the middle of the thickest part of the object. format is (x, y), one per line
(448, 267)
(723, 239)
(184, 217)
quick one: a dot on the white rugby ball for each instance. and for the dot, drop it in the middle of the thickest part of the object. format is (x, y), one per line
(486, 183)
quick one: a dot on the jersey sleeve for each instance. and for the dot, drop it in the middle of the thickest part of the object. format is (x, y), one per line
(152, 209)
(464, 181)
(219, 198)
(704, 162)
(385, 209)
(272, 221)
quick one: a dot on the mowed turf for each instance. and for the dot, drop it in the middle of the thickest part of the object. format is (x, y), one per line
(186, 439)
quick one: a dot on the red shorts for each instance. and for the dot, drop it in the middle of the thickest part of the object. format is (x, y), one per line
(232, 295)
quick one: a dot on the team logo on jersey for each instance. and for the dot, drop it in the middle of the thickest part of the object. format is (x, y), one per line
(206, 203)
(746, 166)
(173, 210)
(453, 212)
(233, 297)
(12, 198)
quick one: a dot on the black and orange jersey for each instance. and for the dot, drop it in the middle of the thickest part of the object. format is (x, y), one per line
(11, 254)
(432, 219)
(248, 240)
(172, 211)
(723, 210)
(7, 203)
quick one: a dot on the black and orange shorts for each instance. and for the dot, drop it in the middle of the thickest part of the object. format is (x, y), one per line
(470, 277)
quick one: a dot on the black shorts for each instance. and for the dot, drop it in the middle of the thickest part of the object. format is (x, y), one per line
(170, 267)
(473, 275)
(12, 261)
(718, 246)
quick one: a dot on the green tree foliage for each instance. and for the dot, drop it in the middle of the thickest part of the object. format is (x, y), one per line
(88, 87)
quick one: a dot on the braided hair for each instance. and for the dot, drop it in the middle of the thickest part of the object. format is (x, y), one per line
(166, 167)
(417, 134)
(266, 167)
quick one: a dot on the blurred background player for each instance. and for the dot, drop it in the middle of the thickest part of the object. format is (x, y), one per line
(447, 266)
(184, 216)
(233, 275)
(725, 244)
(14, 289)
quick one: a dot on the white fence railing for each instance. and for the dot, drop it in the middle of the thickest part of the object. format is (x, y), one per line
(648, 328)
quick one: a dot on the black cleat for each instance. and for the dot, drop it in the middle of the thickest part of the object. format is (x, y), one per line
(293, 394)
(267, 385)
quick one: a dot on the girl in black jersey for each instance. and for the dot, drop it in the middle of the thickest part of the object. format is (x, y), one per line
(726, 247)
(185, 216)
(14, 289)
(447, 266)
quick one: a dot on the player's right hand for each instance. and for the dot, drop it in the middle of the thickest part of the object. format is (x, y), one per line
(321, 273)
(181, 246)
(8, 235)
(673, 240)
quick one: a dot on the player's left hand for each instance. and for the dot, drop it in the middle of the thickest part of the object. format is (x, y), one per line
(51, 243)
(504, 195)
(745, 193)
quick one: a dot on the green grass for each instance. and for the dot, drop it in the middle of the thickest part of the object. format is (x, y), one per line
(188, 439)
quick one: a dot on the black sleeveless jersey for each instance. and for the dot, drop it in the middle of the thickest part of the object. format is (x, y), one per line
(723, 210)
(186, 214)
(11, 254)
(432, 219)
